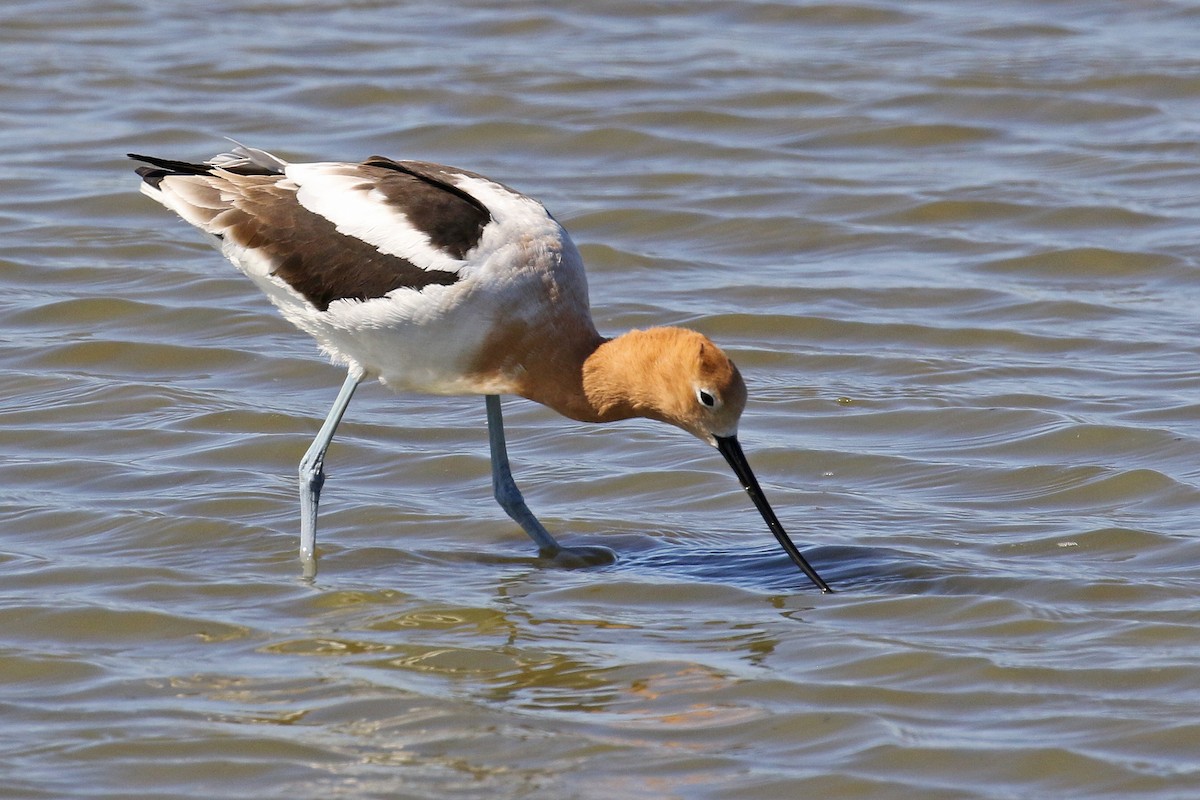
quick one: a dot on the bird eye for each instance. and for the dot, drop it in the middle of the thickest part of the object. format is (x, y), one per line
(706, 399)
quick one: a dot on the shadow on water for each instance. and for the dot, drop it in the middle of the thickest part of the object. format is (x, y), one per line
(1050, 572)
(761, 567)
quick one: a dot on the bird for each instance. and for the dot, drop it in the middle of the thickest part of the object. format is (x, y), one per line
(437, 280)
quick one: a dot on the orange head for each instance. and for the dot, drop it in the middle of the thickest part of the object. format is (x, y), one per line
(670, 374)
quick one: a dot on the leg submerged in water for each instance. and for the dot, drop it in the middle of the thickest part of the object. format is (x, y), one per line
(312, 472)
(510, 499)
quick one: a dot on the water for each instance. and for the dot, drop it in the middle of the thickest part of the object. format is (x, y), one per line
(951, 245)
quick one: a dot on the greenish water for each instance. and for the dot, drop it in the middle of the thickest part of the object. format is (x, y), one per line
(952, 246)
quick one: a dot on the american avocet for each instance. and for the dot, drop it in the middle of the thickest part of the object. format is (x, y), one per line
(435, 279)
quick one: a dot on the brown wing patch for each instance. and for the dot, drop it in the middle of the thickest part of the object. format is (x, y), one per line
(255, 206)
(310, 254)
(451, 218)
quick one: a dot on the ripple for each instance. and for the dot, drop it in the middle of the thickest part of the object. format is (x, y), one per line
(1085, 264)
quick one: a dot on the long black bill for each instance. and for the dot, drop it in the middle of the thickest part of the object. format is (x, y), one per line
(732, 450)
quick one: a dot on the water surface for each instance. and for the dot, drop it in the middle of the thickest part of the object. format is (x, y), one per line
(952, 246)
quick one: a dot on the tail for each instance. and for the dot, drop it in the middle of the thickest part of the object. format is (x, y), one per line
(241, 160)
(164, 167)
(201, 193)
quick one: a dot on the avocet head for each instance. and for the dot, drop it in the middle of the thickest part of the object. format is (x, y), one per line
(691, 383)
(712, 394)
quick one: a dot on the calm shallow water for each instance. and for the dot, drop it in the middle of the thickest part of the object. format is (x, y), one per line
(951, 245)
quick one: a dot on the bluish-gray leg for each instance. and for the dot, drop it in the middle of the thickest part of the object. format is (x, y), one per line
(510, 499)
(312, 471)
(505, 488)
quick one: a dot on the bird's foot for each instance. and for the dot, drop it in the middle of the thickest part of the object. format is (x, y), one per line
(308, 566)
(580, 557)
